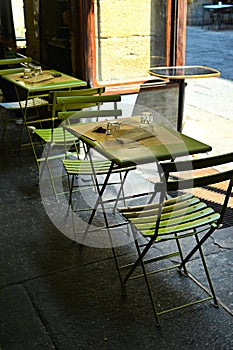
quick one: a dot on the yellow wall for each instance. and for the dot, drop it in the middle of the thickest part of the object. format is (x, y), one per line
(125, 38)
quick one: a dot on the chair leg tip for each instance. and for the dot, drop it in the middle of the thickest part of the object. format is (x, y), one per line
(183, 271)
(123, 291)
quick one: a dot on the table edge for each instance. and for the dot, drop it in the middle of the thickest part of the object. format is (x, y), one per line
(31, 88)
(215, 72)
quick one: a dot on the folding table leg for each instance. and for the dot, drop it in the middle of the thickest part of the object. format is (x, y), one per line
(100, 192)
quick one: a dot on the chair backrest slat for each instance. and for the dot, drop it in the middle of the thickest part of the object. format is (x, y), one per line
(13, 65)
(73, 103)
(77, 115)
(78, 92)
(201, 172)
(53, 96)
(195, 169)
(197, 163)
(75, 100)
(15, 61)
(174, 185)
(11, 71)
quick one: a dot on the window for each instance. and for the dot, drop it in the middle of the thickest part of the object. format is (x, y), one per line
(130, 38)
(115, 42)
(19, 24)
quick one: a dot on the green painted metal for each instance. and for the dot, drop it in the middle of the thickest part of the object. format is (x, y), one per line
(176, 219)
(15, 61)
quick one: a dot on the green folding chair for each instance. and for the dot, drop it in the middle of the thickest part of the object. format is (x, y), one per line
(177, 216)
(45, 131)
(60, 144)
(14, 65)
(75, 168)
(96, 168)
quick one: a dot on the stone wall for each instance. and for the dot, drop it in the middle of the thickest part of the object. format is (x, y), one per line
(130, 38)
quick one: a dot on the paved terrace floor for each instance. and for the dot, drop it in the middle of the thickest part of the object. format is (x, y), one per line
(56, 296)
(209, 102)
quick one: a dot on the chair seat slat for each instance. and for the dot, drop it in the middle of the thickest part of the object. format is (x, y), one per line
(32, 103)
(176, 213)
(173, 221)
(152, 206)
(167, 207)
(76, 167)
(57, 136)
(183, 227)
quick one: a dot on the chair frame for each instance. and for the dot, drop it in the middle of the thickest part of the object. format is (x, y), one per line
(80, 99)
(152, 222)
(52, 136)
(23, 61)
(54, 107)
(91, 167)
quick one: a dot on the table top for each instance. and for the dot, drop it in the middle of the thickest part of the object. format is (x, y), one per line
(217, 6)
(134, 144)
(184, 72)
(45, 81)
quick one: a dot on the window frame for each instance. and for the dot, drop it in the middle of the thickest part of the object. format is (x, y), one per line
(84, 55)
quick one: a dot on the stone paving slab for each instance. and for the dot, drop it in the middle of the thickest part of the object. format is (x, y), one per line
(208, 114)
(210, 48)
(86, 311)
(54, 296)
(213, 95)
(21, 326)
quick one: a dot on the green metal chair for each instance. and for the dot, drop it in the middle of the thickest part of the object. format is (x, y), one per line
(177, 216)
(83, 166)
(13, 65)
(76, 168)
(60, 144)
(53, 134)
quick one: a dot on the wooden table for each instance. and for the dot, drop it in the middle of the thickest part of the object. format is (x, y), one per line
(180, 73)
